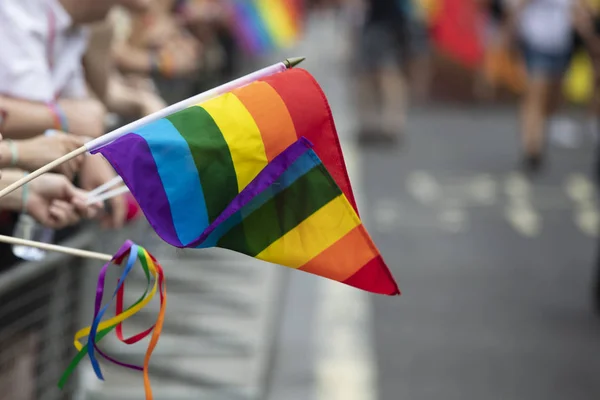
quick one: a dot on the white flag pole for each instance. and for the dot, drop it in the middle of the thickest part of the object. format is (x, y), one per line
(111, 136)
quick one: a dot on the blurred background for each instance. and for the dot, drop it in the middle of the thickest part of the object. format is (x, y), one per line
(470, 132)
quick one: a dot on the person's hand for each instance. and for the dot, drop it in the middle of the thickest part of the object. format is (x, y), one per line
(150, 102)
(41, 150)
(184, 55)
(161, 30)
(203, 12)
(96, 171)
(55, 203)
(85, 116)
(133, 98)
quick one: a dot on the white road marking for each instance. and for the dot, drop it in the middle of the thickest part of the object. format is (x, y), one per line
(579, 188)
(582, 192)
(345, 366)
(516, 185)
(453, 219)
(483, 189)
(519, 212)
(587, 220)
(386, 216)
(524, 220)
(423, 187)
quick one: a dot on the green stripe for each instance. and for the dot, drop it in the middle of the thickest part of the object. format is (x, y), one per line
(282, 213)
(211, 156)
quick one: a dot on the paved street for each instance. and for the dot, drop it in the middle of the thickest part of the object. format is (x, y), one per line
(495, 268)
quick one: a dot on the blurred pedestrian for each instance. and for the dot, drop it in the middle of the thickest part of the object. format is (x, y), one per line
(381, 83)
(543, 30)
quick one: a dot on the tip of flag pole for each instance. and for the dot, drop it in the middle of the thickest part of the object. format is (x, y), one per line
(292, 62)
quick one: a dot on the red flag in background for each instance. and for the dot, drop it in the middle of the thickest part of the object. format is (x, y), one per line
(457, 31)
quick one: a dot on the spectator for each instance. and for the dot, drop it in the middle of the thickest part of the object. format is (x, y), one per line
(381, 83)
(129, 97)
(42, 80)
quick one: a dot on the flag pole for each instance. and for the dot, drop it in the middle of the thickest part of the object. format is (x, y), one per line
(53, 247)
(111, 136)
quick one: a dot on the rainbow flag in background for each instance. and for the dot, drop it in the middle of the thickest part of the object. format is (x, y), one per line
(237, 172)
(264, 25)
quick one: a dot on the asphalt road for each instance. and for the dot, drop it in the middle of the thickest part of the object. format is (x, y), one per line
(495, 267)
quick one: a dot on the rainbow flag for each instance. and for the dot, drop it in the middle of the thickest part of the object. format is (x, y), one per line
(294, 214)
(221, 173)
(264, 25)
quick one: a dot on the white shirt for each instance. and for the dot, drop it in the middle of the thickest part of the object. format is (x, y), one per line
(547, 25)
(36, 64)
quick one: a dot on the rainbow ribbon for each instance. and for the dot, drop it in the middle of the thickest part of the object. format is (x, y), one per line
(98, 330)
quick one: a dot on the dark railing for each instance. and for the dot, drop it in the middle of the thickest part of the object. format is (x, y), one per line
(40, 309)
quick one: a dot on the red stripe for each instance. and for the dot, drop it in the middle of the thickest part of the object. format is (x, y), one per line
(312, 119)
(374, 277)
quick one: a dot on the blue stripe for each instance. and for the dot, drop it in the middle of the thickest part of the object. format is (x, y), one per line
(179, 177)
(300, 167)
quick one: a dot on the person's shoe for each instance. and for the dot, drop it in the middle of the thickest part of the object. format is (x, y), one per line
(533, 163)
(377, 138)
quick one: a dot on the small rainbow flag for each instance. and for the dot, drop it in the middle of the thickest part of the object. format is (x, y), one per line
(236, 172)
(264, 25)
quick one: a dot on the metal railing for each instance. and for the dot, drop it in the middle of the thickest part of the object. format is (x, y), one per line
(40, 309)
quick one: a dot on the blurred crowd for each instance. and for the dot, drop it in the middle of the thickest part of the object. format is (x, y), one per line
(72, 69)
(525, 47)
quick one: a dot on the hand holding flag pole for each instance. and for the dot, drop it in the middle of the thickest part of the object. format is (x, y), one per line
(111, 136)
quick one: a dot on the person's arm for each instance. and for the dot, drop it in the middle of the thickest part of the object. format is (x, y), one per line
(513, 9)
(583, 22)
(31, 154)
(26, 119)
(131, 59)
(97, 61)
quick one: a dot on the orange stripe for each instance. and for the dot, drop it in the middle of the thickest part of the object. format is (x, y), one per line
(271, 116)
(346, 256)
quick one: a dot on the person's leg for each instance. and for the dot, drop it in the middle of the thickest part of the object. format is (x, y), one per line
(392, 82)
(365, 82)
(420, 65)
(392, 87)
(541, 98)
(367, 100)
(533, 118)
(380, 87)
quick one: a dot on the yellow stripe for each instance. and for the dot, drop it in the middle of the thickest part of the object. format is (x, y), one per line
(277, 19)
(241, 134)
(313, 235)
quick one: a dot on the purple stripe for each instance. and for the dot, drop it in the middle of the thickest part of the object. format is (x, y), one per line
(263, 180)
(131, 157)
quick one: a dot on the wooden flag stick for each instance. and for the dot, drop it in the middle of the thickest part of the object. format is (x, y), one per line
(46, 168)
(53, 247)
(111, 136)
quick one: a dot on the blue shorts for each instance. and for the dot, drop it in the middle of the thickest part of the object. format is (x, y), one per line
(546, 64)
